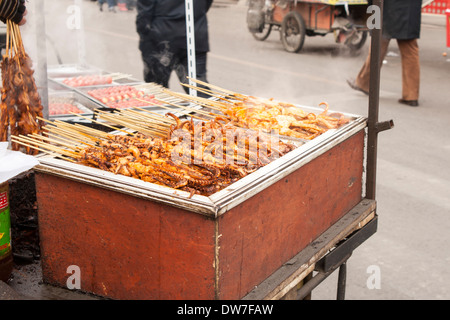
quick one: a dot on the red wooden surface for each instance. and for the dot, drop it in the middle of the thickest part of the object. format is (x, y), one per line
(261, 234)
(131, 248)
(125, 247)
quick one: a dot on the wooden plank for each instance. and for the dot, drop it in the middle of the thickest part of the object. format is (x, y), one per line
(295, 270)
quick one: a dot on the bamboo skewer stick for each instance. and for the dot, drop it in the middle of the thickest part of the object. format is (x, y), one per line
(92, 132)
(68, 139)
(183, 112)
(7, 42)
(235, 94)
(58, 123)
(130, 125)
(70, 146)
(163, 118)
(117, 115)
(46, 146)
(42, 150)
(145, 121)
(140, 120)
(214, 94)
(68, 127)
(158, 117)
(104, 124)
(175, 111)
(205, 113)
(203, 101)
(72, 134)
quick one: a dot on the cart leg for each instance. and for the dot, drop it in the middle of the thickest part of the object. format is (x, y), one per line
(342, 279)
(308, 278)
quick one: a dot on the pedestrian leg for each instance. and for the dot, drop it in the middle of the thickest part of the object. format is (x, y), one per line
(409, 50)
(154, 70)
(182, 71)
(112, 5)
(363, 79)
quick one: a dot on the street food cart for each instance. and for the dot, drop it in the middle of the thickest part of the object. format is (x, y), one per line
(297, 19)
(262, 237)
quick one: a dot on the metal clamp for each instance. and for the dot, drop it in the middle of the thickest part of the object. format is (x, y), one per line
(385, 125)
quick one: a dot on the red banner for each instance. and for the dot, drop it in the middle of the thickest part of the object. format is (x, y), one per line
(436, 6)
(447, 13)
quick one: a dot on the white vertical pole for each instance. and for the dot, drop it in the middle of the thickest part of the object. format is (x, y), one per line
(190, 35)
(41, 46)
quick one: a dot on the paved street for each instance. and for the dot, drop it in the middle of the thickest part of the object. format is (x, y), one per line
(413, 182)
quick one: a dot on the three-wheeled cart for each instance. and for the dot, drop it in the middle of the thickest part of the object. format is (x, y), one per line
(297, 19)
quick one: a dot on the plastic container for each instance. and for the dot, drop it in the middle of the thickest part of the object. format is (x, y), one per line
(6, 258)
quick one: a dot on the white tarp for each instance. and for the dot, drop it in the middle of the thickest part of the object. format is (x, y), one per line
(13, 163)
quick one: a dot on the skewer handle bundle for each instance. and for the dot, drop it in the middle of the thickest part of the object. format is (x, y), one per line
(20, 102)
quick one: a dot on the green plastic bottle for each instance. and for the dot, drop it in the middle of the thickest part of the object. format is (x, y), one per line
(6, 258)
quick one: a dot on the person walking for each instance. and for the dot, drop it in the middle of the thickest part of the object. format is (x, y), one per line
(401, 21)
(111, 5)
(161, 25)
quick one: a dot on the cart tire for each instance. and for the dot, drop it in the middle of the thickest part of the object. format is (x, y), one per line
(359, 42)
(293, 31)
(264, 34)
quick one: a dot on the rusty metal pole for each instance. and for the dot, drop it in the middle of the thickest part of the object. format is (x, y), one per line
(374, 97)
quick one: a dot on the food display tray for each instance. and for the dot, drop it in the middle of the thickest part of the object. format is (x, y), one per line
(85, 105)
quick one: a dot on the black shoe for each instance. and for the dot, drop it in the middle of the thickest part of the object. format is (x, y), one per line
(411, 103)
(352, 85)
(100, 6)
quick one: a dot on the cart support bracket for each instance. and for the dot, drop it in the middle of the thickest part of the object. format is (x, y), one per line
(344, 250)
(337, 258)
(383, 126)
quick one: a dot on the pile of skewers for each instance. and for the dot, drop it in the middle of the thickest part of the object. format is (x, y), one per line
(227, 139)
(200, 157)
(20, 102)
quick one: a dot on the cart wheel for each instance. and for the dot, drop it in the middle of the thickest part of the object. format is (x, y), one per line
(357, 41)
(264, 34)
(293, 32)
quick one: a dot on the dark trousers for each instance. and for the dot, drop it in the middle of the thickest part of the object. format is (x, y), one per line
(159, 64)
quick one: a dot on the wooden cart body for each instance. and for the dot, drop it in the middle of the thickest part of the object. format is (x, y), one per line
(136, 240)
(319, 15)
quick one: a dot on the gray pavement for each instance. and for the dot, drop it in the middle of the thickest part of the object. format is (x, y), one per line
(413, 182)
